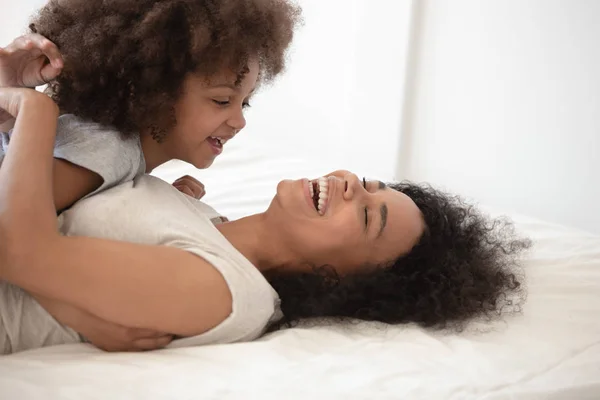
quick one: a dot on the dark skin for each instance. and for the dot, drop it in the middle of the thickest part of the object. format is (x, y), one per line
(32, 60)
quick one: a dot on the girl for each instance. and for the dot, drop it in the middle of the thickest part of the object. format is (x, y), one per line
(140, 83)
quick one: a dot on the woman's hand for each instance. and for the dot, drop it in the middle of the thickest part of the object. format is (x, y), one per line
(190, 186)
(29, 61)
(103, 334)
(12, 101)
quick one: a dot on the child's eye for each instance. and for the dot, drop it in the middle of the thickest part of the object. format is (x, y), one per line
(220, 102)
(246, 105)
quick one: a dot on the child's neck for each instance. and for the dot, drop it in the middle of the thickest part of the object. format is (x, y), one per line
(154, 155)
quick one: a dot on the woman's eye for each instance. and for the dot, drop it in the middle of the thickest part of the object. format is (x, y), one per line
(366, 210)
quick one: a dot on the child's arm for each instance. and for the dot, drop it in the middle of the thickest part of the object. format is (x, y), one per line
(71, 183)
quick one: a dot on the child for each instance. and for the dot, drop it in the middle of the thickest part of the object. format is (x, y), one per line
(143, 82)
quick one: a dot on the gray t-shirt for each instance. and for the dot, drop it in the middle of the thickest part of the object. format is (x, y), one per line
(24, 324)
(97, 148)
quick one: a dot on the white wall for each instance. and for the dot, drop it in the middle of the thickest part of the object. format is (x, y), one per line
(505, 105)
(14, 18)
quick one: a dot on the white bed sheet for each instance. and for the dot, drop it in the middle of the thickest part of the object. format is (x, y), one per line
(551, 351)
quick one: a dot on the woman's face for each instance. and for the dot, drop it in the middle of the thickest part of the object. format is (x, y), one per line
(209, 113)
(344, 222)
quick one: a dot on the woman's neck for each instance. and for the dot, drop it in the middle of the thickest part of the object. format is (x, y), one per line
(252, 237)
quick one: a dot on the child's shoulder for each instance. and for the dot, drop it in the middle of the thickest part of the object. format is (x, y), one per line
(99, 148)
(71, 127)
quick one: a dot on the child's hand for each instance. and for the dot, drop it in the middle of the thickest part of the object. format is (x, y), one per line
(29, 61)
(190, 186)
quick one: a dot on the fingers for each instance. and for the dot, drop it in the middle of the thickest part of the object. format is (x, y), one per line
(190, 186)
(50, 51)
(22, 43)
(49, 72)
(152, 343)
(190, 181)
(186, 190)
(38, 42)
(137, 333)
(115, 338)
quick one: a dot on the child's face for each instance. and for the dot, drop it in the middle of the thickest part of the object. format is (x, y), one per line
(209, 113)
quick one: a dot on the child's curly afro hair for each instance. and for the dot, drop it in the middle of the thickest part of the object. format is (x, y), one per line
(126, 60)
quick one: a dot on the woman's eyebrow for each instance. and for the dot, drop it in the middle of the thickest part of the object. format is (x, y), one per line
(384, 213)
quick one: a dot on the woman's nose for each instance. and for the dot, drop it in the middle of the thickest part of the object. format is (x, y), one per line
(352, 186)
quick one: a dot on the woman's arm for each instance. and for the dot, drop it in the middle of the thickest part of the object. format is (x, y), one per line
(71, 183)
(152, 287)
(29, 61)
(103, 334)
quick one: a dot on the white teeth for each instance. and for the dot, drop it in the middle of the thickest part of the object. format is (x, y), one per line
(311, 190)
(323, 189)
(321, 206)
(218, 139)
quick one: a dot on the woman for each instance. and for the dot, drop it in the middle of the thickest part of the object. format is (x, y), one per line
(145, 255)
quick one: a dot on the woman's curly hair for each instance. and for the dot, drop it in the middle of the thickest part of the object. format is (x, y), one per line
(464, 266)
(126, 60)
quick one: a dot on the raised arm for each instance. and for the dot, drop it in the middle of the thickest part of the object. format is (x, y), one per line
(152, 287)
(29, 61)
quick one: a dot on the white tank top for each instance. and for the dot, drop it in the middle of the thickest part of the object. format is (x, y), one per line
(150, 211)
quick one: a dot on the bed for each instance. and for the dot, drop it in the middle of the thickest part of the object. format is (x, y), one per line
(551, 350)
